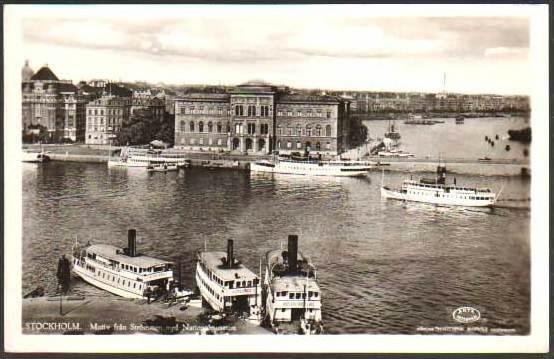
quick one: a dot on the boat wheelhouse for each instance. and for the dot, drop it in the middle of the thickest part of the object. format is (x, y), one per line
(142, 157)
(35, 157)
(292, 294)
(227, 285)
(436, 191)
(313, 167)
(123, 272)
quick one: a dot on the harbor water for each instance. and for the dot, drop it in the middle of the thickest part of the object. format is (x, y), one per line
(384, 266)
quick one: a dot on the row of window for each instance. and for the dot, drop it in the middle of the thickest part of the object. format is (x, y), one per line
(201, 127)
(119, 280)
(308, 113)
(100, 120)
(252, 111)
(307, 145)
(305, 131)
(447, 195)
(201, 110)
(109, 111)
(297, 295)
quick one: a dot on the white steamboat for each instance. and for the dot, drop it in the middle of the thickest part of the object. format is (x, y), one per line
(292, 294)
(436, 191)
(123, 272)
(227, 285)
(335, 168)
(34, 157)
(142, 157)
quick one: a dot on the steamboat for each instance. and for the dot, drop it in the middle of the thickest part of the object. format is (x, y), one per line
(227, 285)
(312, 167)
(123, 272)
(142, 157)
(292, 294)
(34, 157)
(436, 191)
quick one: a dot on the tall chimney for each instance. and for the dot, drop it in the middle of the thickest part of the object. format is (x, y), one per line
(230, 258)
(132, 242)
(293, 253)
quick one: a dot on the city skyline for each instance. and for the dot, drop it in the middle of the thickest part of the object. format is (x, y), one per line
(310, 47)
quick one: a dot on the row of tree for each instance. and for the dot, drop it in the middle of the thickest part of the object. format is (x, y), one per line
(142, 128)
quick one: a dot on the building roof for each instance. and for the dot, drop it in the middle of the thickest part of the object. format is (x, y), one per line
(215, 261)
(44, 74)
(67, 87)
(299, 98)
(218, 97)
(115, 253)
(117, 90)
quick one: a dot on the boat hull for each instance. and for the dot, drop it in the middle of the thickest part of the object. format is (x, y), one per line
(393, 194)
(83, 274)
(312, 170)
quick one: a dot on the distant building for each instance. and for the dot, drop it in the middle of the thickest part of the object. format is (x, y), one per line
(155, 105)
(258, 118)
(53, 103)
(105, 117)
(26, 72)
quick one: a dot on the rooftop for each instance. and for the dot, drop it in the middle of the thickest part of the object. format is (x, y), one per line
(115, 253)
(44, 74)
(215, 261)
(299, 98)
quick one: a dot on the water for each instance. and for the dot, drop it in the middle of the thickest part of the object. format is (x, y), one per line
(450, 140)
(384, 266)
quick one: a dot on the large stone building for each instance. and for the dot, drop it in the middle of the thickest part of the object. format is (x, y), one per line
(104, 118)
(52, 103)
(259, 118)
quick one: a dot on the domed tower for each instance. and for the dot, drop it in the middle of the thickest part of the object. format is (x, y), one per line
(27, 72)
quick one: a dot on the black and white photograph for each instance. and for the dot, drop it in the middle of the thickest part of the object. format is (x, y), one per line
(365, 177)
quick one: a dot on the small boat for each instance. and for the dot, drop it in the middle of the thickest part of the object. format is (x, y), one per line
(142, 157)
(227, 285)
(436, 191)
(393, 152)
(392, 133)
(484, 159)
(122, 271)
(162, 167)
(292, 293)
(34, 157)
(313, 167)
(460, 120)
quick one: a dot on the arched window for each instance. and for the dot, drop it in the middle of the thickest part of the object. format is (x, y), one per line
(328, 130)
(318, 130)
(239, 110)
(210, 126)
(308, 130)
(228, 128)
(317, 146)
(200, 126)
(218, 126)
(183, 126)
(191, 126)
(298, 130)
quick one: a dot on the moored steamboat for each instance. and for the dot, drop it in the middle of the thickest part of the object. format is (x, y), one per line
(436, 191)
(123, 272)
(312, 167)
(142, 157)
(227, 285)
(292, 294)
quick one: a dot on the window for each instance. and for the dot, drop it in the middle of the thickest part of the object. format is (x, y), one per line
(308, 130)
(298, 145)
(279, 130)
(318, 146)
(191, 125)
(289, 131)
(264, 111)
(328, 130)
(328, 145)
(210, 126)
(218, 126)
(183, 126)
(289, 144)
(251, 110)
(251, 128)
(291, 295)
(239, 110)
(318, 130)
(298, 130)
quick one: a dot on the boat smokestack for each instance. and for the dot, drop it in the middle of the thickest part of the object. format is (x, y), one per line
(132, 243)
(293, 253)
(230, 258)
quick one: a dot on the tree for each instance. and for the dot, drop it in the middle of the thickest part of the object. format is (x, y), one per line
(358, 132)
(142, 128)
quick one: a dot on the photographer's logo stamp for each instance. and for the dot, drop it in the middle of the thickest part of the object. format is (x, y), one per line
(466, 315)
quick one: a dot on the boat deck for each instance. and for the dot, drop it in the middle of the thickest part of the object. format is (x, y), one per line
(215, 261)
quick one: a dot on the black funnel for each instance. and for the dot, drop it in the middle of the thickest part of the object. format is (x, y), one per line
(132, 243)
(293, 253)
(230, 258)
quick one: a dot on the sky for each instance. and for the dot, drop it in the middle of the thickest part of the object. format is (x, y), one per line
(331, 47)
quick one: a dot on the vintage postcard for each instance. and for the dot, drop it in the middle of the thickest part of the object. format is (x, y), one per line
(276, 178)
